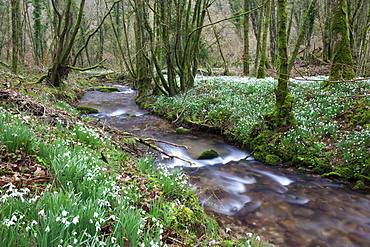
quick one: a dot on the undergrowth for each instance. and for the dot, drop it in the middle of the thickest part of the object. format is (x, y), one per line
(333, 132)
(86, 191)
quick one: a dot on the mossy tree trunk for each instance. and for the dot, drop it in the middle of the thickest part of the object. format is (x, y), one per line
(38, 30)
(264, 138)
(66, 34)
(173, 28)
(143, 66)
(342, 60)
(282, 116)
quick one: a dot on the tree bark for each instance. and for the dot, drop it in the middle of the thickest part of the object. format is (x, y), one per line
(245, 57)
(342, 60)
(261, 73)
(15, 34)
(282, 116)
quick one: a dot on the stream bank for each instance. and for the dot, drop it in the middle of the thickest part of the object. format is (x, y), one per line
(289, 208)
(331, 138)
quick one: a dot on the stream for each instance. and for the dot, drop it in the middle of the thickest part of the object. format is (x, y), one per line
(287, 207)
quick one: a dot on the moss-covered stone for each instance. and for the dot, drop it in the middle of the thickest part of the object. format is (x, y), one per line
(86, 110)
(208, 154)
(345, 172)
(108, 89)
(182, 130)
(360, 185)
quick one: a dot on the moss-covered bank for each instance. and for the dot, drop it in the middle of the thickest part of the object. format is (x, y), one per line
(331, 134)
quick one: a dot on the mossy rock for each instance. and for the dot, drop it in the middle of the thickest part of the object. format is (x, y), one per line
(208, 154)
(345, 172)
(360, 185)
(272, 159)
(182, 130)
(86, 110)
(108, 89)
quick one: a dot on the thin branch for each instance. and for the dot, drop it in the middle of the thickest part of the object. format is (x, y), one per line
(94, 32)
(99, 65)
(228, 18)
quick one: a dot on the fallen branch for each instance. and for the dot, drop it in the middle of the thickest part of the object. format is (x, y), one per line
(154, 147)
(170, 143)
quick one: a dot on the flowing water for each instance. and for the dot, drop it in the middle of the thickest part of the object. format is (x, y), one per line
(286, 207)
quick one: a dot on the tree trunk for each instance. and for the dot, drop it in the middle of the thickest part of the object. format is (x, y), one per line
(261, 73)
(282, 116)
(327, 44)
(245, 57)
(37, 29)
(143, 74)
(65, 35)
(342, 61)
(304, 29)
(15, 34)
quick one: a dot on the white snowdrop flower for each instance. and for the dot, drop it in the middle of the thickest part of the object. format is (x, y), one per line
(14, 218)
(74, 233)
(258, 238)
(91, 221)
(96, 215)
(42, 213)
(28, 228)
(75, 241)
(249, 234)
(75, 219)
(57, 219)
(47, 229)
(34, 222)
(97, 226)
(113, 239)
(35, 234)
(64, 213)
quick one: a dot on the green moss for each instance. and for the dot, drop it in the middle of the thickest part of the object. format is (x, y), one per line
(322, 166)
(345, 172)
(208, 154)
(86, 110)
(108, 89)
(359, 185)
(182, 130)
(342, 66)
(227, 243)
(272, 159)
(331, 174)
(360, 176)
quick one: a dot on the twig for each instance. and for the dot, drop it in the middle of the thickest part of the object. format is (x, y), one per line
(170, 143)
(152, 146)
